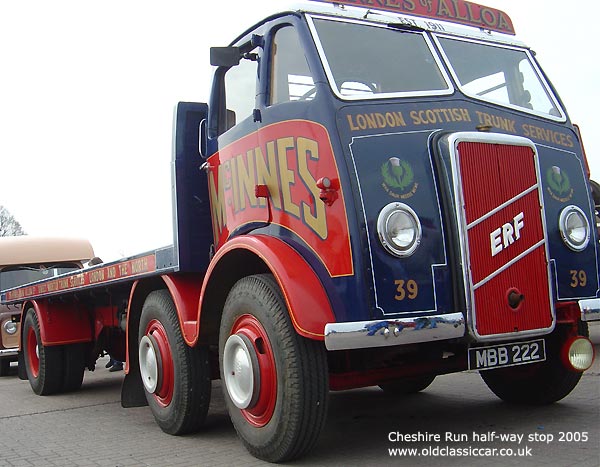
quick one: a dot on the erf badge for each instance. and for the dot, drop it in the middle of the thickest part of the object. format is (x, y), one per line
(559, 185)
(398, 178)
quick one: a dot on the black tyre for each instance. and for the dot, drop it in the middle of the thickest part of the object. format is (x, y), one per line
(44, 365)
(4, 366)
(74, 364)
(176, 377)
(407, 385)
(539, 383)
(275, 382)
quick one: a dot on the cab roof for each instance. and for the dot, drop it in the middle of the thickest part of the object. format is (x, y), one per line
(470, 20)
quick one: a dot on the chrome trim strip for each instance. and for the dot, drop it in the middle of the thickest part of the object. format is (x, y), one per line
(502, 206)
(590, 309)
(509, 264)
(401, 331)
(9, 352)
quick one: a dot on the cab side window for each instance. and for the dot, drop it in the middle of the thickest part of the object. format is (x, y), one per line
(240, 91)
(291, 79)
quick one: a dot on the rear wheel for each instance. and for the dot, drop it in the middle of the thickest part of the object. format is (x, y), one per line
(176, 377)
(44, 365)
(74, 361)
(539, 383)
(407, 385)
(275, 382)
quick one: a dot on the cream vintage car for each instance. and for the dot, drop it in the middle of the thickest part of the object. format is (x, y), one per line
(27, 259)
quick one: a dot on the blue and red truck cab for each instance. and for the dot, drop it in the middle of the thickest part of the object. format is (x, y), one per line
(377, 192)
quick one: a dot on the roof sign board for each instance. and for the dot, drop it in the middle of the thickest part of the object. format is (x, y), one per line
(455, 11)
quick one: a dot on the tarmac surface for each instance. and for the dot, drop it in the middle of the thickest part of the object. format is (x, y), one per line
(89, 428)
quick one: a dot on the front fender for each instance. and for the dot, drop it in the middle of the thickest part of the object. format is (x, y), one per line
(305, 297)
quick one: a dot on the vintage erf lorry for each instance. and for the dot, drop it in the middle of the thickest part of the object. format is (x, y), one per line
(377, 192)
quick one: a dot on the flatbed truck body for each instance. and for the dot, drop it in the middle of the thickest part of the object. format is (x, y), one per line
(370, 197)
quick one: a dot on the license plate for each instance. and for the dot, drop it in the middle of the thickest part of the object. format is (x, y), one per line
(500, 356)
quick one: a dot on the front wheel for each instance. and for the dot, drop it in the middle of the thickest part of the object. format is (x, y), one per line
(44, 365)
(275, 382)
(176, 377)
(537, 383)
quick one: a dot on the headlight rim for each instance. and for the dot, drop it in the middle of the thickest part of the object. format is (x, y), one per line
(563, 229)
(6, 325)
(382, 232)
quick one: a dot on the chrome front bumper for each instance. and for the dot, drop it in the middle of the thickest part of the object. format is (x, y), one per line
(9, 352)
(383, 333)
(590, 309)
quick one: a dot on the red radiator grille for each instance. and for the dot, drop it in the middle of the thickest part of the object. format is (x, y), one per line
(506, 248)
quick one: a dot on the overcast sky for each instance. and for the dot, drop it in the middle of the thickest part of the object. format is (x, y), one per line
(88, 90)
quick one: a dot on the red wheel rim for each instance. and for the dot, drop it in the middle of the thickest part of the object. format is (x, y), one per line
(260, 413)
(164, 392)
(32, 353)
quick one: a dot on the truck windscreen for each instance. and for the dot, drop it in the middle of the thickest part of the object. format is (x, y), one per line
(366, 60)
(499, 74)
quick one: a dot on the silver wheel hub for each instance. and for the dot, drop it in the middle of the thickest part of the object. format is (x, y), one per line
(148, 364)
(241, 371)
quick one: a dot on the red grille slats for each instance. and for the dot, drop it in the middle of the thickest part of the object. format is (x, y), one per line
(480, 243)
(505, 238)
(491, 176)
(495, 316)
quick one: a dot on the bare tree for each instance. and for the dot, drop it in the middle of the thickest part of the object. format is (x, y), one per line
(9, 226)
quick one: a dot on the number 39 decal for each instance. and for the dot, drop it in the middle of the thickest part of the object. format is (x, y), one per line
(406, 289)
(578, 278)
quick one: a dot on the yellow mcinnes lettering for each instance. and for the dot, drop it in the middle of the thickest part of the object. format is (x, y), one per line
(283, 166)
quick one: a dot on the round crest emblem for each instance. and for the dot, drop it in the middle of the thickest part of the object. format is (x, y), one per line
(559, 185)
(398, 178)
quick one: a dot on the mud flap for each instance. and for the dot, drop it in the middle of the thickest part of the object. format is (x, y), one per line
(132, 390)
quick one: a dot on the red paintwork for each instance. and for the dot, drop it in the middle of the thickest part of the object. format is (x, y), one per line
(62, 323)
(482, 262)
(104, 317)
(33, 359)
(505, 171)
(164, 391)
(260, 413)
(456, 11)
(129, 268)
(288, 158)
(305, 297)
(185, 291)
(493, 174)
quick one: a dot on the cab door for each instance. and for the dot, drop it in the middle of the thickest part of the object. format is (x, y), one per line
(297, 154)
(231, 169)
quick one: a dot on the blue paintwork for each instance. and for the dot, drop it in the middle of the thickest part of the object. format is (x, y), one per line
(364, 151)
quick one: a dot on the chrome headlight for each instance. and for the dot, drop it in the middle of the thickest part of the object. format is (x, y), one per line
(574, 228)
(399, 229)
(10, 327)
